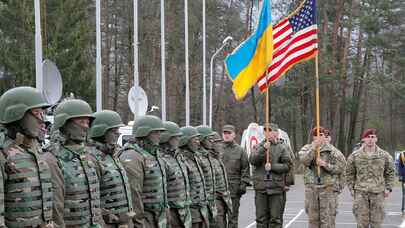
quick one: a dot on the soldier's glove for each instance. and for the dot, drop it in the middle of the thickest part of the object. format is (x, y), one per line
(111, 218)
(242, 189)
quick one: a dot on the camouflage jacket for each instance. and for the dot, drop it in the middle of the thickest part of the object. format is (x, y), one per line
(370, 172)
(237, 168)
(115, 193)
(147, 179)
(74, 172)
(329, 174)
(24, 172)
(341, 178)
(26, 181)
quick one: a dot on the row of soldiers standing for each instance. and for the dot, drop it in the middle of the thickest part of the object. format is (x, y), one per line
(165, 176)
(368, 173)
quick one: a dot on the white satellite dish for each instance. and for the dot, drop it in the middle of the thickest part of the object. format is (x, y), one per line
(138, 101)
(52, 90)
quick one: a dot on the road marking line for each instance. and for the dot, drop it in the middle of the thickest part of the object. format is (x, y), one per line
(349, 223)
(295, 218)
(251, 224)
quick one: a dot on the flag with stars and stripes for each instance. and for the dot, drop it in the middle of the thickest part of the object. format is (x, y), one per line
(295, 39)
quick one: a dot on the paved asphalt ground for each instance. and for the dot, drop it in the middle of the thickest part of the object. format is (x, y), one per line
(295, 217)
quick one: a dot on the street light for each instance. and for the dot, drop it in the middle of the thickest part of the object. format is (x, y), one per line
(224, 43)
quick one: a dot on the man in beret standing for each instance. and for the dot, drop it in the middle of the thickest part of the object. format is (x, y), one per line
(370, 177)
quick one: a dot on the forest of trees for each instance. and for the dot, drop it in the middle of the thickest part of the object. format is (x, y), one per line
(362, 61)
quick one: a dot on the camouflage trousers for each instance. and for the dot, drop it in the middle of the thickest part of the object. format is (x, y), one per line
(179, 218)
(320, 206)
(368, 208)
(269, 209)
(234, 216)
(155, 219)
(334, 209)
(118, 225)
(221, 220)
(199, 217)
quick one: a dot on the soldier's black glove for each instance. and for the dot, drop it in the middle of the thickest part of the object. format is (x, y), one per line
(242, 189)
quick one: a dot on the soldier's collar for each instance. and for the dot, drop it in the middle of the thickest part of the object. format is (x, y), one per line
(26, 142)
(76, 148)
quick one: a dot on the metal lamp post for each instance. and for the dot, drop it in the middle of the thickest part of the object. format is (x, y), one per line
(224, 43)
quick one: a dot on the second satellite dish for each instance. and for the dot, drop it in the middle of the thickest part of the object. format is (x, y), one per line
(52, 90)
(138, 101)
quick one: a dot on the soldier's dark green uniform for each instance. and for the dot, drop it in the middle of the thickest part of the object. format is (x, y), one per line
(223, 196)
(26, 178)
(270, 189)
(189, 146)
(178, 188)
(115, 192)
(238, 171)
(74, 178)
(206, 165)
(146, 173)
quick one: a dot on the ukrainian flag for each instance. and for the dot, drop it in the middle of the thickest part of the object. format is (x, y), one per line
(251, 58)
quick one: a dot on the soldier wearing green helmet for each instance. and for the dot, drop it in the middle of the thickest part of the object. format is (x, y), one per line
(189, 146)
(206, 135)
(74, 174)
(146, 172)
(115, 193)
(223, 200)
(26, 178)
(178, 188)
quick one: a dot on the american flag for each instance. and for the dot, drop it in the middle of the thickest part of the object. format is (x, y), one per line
(295, 40)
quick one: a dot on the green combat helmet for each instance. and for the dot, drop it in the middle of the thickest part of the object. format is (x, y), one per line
(205, 131)
(17, 101)
(105, 120)
(70, 109)
(172, 130)
(188, 133)
(145, 124)
(217, 138)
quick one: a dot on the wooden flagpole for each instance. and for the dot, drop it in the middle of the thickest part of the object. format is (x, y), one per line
(318, 121)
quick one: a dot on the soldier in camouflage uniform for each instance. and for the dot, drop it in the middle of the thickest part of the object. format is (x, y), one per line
(269, 179)
(223, 196)
(146, 172)
(189, 146)
(178, 188)
(370, 177)
(74, 176)
(340, 180)
(319, 191)
(26, 178)
(115, 193)
(205, 156)
(237, 168)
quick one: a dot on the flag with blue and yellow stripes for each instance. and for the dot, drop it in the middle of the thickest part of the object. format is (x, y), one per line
(249, 61)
